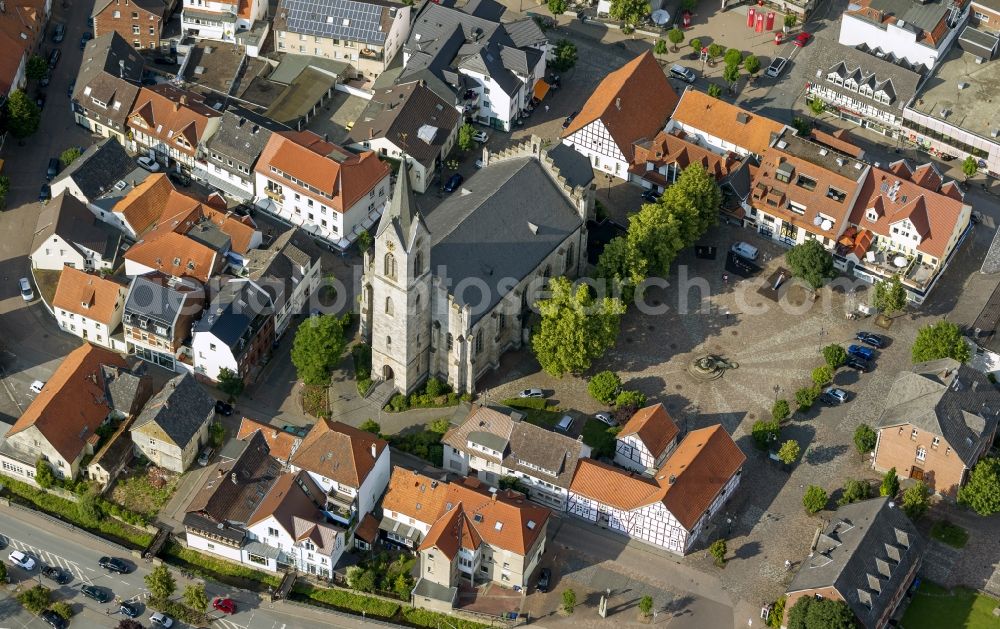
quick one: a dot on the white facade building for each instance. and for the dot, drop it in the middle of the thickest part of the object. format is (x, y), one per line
(90, 307)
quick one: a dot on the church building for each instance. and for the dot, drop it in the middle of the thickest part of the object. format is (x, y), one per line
(446, 294)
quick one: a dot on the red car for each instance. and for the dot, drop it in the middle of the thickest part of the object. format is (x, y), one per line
(224, 605)
(802, 39)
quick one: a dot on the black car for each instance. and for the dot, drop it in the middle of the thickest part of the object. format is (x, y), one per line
(40, 100)
(871, 339)
(181, 179)
(85, 38)
(57, 575)
(54, 58)
(59, 33)
(859, 364)
(454, 182)
(569, 119)
(130, 609)
(95, 593)
(45, 193)
(45, 80)
(114, 564)
(650, 196)
(544, 580)
(53, 619)
(223, 408)
(53, 169)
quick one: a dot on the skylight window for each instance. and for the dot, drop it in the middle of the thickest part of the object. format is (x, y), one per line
(498, 526)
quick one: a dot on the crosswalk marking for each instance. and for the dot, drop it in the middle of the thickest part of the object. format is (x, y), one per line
(227, 624)
(49, 559)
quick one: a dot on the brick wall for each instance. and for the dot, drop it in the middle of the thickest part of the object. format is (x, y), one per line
(130, 18)
(992, 21)
(942, 468)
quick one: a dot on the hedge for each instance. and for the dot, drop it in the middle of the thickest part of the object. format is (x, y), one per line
(177, 610)
(427, 618)
(217, 569)
(348, 601)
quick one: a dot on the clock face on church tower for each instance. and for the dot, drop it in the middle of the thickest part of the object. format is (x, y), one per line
(391, 246)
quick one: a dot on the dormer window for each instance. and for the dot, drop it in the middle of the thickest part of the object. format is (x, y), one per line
(871, 215)
(99, 103)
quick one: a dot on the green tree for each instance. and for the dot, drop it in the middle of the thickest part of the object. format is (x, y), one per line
(834, 355)
(194, 597)
(216, 434)
(777, 613)
(806, 397)
(854, 491)
(676, 36)
(318, 344)
(88, 508)
(814, 500)
(817, 106)
(568, 600)
(700, 188)
(4, 189)
(718, 552)
(802, 126)
(940, 340)
(62, 609)
(714, 90)
(890, 484)
(731, 75)
(511, 482)
(982, 491)
(810, 612)
(620, 270)
(23, 115)
(370, 425)
(629, 12)
(35, 599)
(439, 426)
(69, 156)
(689, 5)
(556, 7)
(630, 399)
(465, 133)
(822, 375)
(660, 47)
(604, 386)
(402, 585)
(970, 166)
(43, 474)
(435, 387)
(789, 452)
(780, 410)
(646, 605)
(733, 57)
(230, 383)
(364, 241)
(811, 262)
(752, 65)
(36, 68)
(865, 439)
(764, 433)
(160, 582)
(695, 45)
(715, 50)
(575, 328)
(790, 19)
(916, 500)
(564, 56)
(890, 295)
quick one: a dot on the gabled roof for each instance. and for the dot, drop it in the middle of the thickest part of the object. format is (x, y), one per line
(653, 426)
(415, 495)
(161, 298)
(176, 117)
(675, 148)
(633, 102)
(730, 123)
(282, 444)
(100, 167)
(242, 135)
(613, 486)
(110, 72)
(283, 264)
(339, 452)
(157, 7)
(866, 552)
(145, 203)
(234, 311)
(296, 502)
(73, 403)
(88, 295)
(176, 255)
(177, 413)
(452, 531)
(946, 398)
(69, 219)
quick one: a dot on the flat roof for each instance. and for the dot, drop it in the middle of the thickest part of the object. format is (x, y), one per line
(970, 108)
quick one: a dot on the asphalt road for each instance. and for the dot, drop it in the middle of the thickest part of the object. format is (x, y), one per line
(53, 544)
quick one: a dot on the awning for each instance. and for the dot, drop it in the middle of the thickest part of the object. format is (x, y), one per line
(541, 89)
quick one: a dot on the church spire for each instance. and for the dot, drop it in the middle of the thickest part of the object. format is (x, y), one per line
(402, 208)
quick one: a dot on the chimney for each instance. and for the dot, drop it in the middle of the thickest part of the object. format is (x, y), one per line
(374, 454)
(177, 106)
(493, 497)
(184, 99)
(371, 133)
(121, 68)
(618, 104)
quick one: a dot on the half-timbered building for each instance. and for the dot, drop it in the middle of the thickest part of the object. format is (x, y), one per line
(646, 439)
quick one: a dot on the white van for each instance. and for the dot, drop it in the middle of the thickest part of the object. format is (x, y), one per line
(680, 72)
(744, 250)
(564, 423)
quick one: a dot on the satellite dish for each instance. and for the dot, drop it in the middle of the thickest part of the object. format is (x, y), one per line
(826, 225)
(817, 220)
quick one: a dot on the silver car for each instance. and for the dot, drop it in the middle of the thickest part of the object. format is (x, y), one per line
(25, 285)
(777, 65)
(531, 393)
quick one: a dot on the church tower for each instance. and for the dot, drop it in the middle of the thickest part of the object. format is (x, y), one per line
(397, 291)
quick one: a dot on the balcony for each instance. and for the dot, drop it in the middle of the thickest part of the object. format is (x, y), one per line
(274, 195)
(371, 54)
(340, 506)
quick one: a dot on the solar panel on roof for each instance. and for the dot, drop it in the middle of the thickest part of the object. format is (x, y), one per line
(337, 19)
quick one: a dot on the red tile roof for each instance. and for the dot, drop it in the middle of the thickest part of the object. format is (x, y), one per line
(674, 148)
(654, 427)
(282, 444)
(176, 117)
(340, 452)
(367, 530)
(727, 122)
(613, 486)
(88, 295)
(633, 102)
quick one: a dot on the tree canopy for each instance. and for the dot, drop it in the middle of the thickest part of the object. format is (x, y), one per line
(865, 439)
(629, 11)
(916, 500)
(890, 295)
(604, 386)
(576, 328)
(161, 582)
(751, 64)
(556, 7)
(194, 597)
(230, 382)
(465, 133)
(36, 68)
(890, 484)
(834, 355)
(940, 340)
(564, 56)
(811, 262)
(23, 115)
(318, 344)
(970, 166)
(676, 36)
(789, 452)
(69, 156)
(824, 613)
(982, 491)
(814, 500)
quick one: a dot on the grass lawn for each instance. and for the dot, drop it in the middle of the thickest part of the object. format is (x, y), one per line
(47, 282)
(536, 411)
(137, 491)
(934, 607)
(600, 437)
(314, 400)
(951, 534)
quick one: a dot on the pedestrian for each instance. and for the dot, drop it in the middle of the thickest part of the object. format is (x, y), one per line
(788, 565)
(725, 278)
(546, 109)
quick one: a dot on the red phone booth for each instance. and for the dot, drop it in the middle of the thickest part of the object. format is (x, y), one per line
(750, 17)
(769, 24)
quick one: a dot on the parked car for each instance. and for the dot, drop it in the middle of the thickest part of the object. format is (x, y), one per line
(85, 38)
(564, 423)
(685, 74)
(114, 564)
(55, 574)
(161, 620)
(54, 620)
(569, 119)
(298, 431)
(130, 609)
(53, 169)
(44, 194)
(26, 293)
(148, 163)
(224, 605)
(37, 385)
(40, 100)
(875, 340)
(223, 408)
(777, 65)
(180, 178)
(650, 196)
(453, 182)
(21, 560)
(479, 163)
(606, 418)
(802, 39)
(95, 593)
(544, 580)
(59, 33)
(861, 351)
(745, 250)
(205, 456)
(858, 364)
(531, 393)
(54, 58)
(833, 395)
(44, 82)
(481, 137)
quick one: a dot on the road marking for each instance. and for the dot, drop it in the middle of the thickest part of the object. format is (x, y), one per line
(49, 558)
(228, 624)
